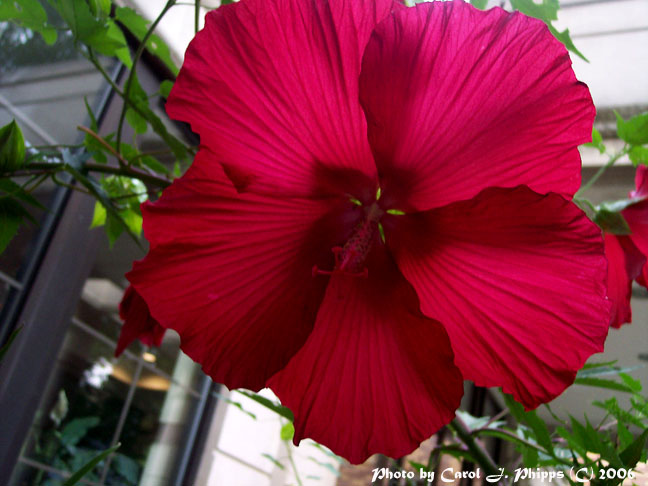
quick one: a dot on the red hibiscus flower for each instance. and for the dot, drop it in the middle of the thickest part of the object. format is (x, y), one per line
(138, 323)
(380, 208)
(626, 254)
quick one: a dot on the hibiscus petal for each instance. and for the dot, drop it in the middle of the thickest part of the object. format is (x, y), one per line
(518, 281)
(271, 87)
(138, 323)
(374, 367)
(625, 263)
(636, 215)
(458, 100)
(231, 273)
(641, 182)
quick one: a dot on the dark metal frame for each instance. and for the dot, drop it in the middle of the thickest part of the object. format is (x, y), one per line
(52, 278)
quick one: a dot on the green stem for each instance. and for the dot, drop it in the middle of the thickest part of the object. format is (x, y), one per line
(601, 171)
(292, 463)
(131, 75)
(53, 168)
(197, 17)
(478, 452)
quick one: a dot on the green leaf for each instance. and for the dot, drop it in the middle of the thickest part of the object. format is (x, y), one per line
(165, 88)
(612, 406)
(601, 383)
(89, 466)
(77, 429)
(287, 431)
(624, 435)
(139, 99)
(154, 164)
(537, 425)
(547, 11)
(79, 18)
(612, 222)
(29, 14)
(10, 188)
(480, 4)
(74, 165)
(136, 121)
(597, 141)
(631, 455)
(10, 340)
(12, 147)
(11, 216)
(633, 384)
(236, 404)
(99, 215)
(275, 407)
(638, 155)
(604, 370)
(274, 461)
(635, 130)
(565, 38)
(139, 26)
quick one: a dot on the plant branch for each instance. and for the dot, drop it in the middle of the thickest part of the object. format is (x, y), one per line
(601, 171)
(131, 74)
(478, 452)
(197, 17)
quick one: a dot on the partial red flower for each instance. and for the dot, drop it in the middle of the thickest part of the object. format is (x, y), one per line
(380, 208)
(627, 254)
(138, 323)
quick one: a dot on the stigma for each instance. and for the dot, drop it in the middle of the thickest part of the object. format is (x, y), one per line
(350, 258)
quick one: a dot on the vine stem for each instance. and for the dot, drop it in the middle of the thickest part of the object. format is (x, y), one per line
(131, 74)
(292, 463)
(600, 172)
(476, 449)
(197, 17)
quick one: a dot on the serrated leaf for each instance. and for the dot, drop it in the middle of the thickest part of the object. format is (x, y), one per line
(638, 155)
(537, 425)
(565, 38)
(635, 130)
(29, 14)
(633, 384)
(612, 222)
(624, 435)
(631, 455)
(287, 431)
(612, 406)
(89, 466)
(601, 383)
(12, 147)
(597, 141)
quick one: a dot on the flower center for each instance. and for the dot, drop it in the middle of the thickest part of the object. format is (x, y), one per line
(350, 258)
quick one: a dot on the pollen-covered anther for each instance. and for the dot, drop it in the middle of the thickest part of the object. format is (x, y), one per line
(350, 258)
